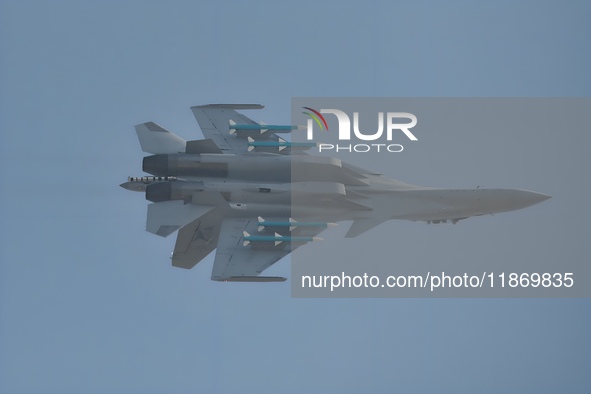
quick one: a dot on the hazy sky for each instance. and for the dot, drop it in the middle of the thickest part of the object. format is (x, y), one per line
(88, 299)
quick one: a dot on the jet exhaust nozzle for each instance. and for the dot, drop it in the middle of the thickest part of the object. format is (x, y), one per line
(158, 192)
(177, 190)
(156, 165)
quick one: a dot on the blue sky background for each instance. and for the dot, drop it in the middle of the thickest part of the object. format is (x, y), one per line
(88, 300)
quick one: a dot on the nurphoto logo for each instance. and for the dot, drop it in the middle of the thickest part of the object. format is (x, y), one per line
(391, 119)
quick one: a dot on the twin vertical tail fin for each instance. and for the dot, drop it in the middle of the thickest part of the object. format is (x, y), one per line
(156, 139)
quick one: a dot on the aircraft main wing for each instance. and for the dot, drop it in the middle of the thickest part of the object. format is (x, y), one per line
(245, 249)
(215, 121)
(236, 262)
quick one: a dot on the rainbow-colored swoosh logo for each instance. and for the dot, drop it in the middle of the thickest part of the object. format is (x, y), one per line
(317, 116)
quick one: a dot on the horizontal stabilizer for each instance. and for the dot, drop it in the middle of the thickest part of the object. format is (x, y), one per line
(197, 240)
(360, 226)
(202, 146)
(164, 218)
(254, 279)
(156, 139)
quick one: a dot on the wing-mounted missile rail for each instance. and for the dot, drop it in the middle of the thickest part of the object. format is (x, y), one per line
(245, 130)
(276, 239)
(290, 224)
(280, 144)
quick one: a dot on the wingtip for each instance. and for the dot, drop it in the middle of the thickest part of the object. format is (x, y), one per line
(230, 106)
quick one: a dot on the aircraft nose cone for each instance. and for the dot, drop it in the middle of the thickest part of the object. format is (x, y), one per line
(535, 198)
(524, 198)
(539, 197)
(504, 200)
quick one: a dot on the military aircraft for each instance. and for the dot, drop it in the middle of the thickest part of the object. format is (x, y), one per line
(256, 197)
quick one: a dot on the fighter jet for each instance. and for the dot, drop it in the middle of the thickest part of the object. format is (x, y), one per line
(256, 197)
